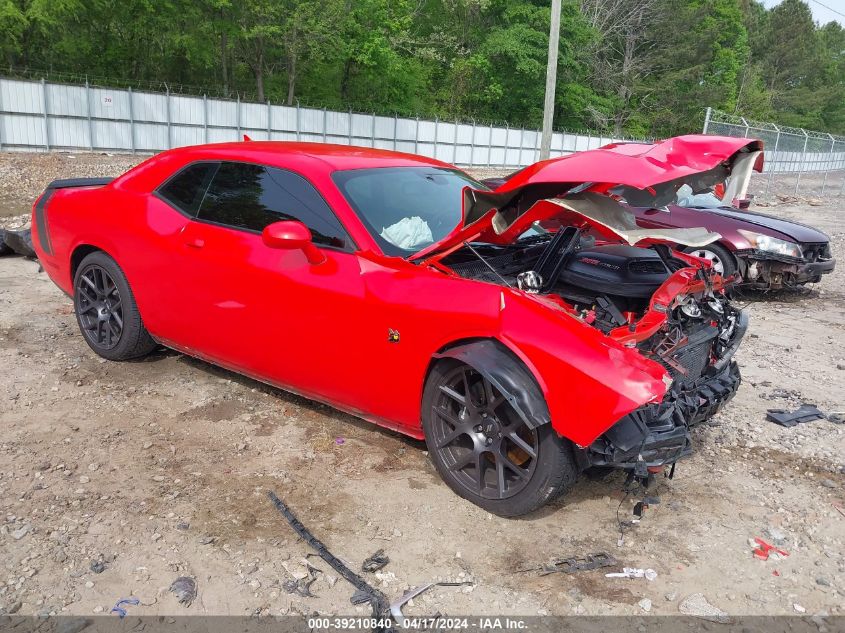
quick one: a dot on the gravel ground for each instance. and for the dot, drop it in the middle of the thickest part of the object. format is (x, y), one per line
(117, 478)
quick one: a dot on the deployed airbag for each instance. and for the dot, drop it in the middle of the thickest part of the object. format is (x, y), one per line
(409, 233)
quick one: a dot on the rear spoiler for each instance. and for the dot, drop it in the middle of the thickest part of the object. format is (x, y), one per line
(70, 183)
(41, 205)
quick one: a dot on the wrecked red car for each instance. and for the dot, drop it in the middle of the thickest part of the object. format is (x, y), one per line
(769, 253)
(398, 289)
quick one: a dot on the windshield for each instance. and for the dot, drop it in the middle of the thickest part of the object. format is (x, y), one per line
(406, 208)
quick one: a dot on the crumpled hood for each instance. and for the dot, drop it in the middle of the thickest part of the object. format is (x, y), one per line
(500, 216)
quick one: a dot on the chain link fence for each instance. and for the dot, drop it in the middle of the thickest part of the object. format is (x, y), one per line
(796, 160)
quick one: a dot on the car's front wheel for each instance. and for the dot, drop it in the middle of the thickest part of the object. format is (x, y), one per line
(719, 257)
(485, 451)
(106, 311)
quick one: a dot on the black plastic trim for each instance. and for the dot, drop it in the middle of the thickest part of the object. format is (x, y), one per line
(508, 374)
(658, 434)
(41, 227)
(69, 183)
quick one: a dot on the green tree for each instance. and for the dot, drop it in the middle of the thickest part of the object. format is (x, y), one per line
(13, 24)
(640, 67)
(701, 47)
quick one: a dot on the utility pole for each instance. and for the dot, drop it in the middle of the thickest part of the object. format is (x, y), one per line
(551, 81)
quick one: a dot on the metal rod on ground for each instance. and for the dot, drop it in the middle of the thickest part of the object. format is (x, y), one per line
(551, 82)
(378, 600)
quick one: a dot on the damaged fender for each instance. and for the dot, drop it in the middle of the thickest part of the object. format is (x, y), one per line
(508, 374)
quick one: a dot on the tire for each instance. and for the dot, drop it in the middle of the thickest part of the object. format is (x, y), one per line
(718, 255)
(465, 441)
(106, 311)
(5, 249)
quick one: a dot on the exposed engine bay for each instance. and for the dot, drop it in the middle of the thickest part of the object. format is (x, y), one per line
(606, 285)
(612, 287)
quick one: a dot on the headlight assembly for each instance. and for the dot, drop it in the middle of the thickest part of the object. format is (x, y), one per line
(772, 244)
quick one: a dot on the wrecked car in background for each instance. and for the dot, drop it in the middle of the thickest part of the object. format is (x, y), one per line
(526, 334)
(768, 252)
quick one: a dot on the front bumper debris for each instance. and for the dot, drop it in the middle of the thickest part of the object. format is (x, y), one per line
(765, 270)
(657, 435)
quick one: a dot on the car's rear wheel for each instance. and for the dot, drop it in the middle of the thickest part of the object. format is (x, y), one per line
(106, 311)
(485, 451)
(718, 256)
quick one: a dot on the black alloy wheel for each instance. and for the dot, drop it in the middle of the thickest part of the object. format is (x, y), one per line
(106, 311)
(99, 307)
(480, 438)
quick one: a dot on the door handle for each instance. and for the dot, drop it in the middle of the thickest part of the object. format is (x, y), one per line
(195, 242)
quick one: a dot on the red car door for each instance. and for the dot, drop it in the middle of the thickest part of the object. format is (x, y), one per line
(266, 312)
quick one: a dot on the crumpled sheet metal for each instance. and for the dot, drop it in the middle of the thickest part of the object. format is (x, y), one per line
(600, 209)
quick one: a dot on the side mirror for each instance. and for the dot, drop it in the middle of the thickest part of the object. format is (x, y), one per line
(292, 235)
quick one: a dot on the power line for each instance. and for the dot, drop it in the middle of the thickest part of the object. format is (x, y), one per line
(821, 4)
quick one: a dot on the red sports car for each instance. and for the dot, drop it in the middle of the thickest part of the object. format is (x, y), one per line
(398, 289)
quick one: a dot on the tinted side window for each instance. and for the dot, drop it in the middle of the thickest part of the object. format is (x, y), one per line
(251, 197)
(186, 189)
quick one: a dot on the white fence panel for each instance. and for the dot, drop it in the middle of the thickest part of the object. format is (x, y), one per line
(97, 118)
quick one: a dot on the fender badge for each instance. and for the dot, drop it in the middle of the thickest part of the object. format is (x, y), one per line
(392, 335)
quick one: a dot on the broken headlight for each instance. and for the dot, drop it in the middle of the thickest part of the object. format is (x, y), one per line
(772, 244)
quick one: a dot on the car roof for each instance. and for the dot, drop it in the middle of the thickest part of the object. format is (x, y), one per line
(335, 157)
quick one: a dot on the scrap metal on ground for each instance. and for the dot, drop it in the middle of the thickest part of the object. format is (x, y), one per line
(804, 413)
(378, 600)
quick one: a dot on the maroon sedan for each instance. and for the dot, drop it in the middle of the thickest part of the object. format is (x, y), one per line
(769, 252)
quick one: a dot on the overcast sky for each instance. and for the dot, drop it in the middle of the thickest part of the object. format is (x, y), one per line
(820, 13)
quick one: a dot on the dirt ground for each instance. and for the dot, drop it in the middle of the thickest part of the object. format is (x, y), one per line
(117, 478)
